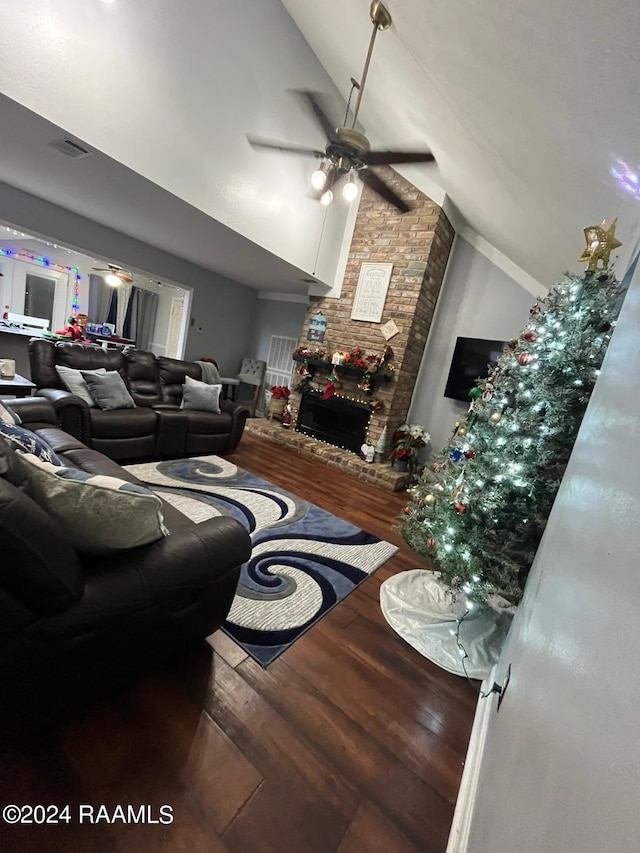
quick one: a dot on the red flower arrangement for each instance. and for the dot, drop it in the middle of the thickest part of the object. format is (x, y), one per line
(280, 392)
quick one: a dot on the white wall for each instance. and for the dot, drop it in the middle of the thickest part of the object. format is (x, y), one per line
(561, 768)
(171, 92)
(224, 309)
(477, 300)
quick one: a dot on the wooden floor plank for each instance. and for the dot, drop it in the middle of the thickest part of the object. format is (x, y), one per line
(351, 742)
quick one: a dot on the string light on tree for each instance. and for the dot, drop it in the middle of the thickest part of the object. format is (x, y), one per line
(500, 471)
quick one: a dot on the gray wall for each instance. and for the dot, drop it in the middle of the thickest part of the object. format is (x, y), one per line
(477, 300)
(561, 768)
(277, 318)
(224, 308)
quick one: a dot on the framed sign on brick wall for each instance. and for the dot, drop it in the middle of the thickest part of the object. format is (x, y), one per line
(371, 292)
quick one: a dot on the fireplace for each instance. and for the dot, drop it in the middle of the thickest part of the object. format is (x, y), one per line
(338, 420)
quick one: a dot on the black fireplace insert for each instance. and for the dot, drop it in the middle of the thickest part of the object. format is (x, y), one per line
(337, 420)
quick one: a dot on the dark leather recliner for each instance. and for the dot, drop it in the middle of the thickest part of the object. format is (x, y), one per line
(157, 427)
(73, 627)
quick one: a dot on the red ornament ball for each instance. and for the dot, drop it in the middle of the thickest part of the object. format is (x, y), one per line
(459, 507)
(431, 542)
(524, 358)
(469, 454)
(530, 336)
(406, 510)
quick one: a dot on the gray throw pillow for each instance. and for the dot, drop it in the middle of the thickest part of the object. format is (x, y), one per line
(73, 381)
(98, 513)
(108, 390)
(200, 396)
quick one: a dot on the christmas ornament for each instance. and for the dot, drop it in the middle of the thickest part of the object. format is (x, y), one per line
(459, 507)
(330, 387)
(475, 393)
(436, 467)
(406, 510)
(462, 431)
(534, 309)
(487, 392)
(430, 500)
(530, 336)
(524, 358)
(431, 542)
(600, 243)
(495, 417)
(469, 454)
(455, 454)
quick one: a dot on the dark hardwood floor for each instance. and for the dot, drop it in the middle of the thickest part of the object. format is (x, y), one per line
(349, 742)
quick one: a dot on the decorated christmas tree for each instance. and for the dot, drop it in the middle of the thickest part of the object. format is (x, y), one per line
(479, 511)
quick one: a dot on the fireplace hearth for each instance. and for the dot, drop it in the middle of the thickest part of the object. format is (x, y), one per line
(337, 420)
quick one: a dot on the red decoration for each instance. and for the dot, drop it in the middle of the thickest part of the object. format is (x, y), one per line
(487, 392)
(459, 507)
(469, 454)
(330, 387)
(534, 309)
(406, 510)
(524, 358)
(431, 542)
(530, 336)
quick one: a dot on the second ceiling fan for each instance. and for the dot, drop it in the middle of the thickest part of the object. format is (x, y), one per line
(348, 151)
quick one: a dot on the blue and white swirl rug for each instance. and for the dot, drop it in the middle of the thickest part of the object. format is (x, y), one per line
(304, 560)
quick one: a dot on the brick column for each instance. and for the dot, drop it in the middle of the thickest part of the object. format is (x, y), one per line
(417, 243)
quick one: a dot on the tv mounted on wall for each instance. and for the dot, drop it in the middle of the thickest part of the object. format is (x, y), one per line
(472, 358)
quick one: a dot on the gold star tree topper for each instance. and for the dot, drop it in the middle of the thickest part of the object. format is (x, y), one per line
(601, 241)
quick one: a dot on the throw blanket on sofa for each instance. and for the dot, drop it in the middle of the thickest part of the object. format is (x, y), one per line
(210, 373)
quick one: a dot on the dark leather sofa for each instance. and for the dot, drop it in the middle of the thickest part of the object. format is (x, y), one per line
(73, 627)
(157, 427)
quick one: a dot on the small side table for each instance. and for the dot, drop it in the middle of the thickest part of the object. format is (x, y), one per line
(16, 387)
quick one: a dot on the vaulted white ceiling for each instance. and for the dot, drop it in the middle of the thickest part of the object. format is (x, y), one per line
(527, 105)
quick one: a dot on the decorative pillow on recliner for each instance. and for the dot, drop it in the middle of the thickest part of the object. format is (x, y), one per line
(200, 395)
(73, 381)
(7, 416)
(108, 390)
(100, 514)
(24, 439)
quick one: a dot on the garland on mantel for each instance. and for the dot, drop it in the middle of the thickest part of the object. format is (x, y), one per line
(371, 364)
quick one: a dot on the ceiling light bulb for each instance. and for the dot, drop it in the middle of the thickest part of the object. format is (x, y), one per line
(112, 279)
(318, 179)
(326, 198)
(350, 189)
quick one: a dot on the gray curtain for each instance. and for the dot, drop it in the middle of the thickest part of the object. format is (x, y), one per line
(144, 306)
(100, 296)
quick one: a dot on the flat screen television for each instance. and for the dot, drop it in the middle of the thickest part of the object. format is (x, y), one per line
(472, 358)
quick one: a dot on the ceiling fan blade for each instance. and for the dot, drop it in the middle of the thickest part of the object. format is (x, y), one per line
(382, 158)
(376, 183)
(284, 147)
(312, 101)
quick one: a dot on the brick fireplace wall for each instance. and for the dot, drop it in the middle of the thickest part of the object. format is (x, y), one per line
(418, 244)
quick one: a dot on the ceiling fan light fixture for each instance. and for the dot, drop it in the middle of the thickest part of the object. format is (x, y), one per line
(350, 189)
(319, 177)
(113, 279)
(326, 198)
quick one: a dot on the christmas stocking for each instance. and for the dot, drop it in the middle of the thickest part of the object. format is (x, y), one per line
(330, 387)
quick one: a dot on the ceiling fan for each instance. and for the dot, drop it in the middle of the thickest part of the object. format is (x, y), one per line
(115, 276)
(348, 152)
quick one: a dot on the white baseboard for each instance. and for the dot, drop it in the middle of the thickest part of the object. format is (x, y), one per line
(461, 826)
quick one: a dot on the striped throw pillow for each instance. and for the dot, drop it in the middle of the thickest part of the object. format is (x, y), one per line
(7, 416)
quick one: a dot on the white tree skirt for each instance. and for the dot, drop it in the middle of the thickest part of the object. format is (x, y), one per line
(424, 613)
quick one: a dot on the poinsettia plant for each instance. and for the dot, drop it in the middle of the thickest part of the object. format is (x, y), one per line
(280, 392)
(407, 440)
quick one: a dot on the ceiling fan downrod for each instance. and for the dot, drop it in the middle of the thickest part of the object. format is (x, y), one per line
(381, 20)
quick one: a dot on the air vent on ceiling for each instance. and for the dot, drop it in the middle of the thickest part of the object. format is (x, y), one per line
(71, 148)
